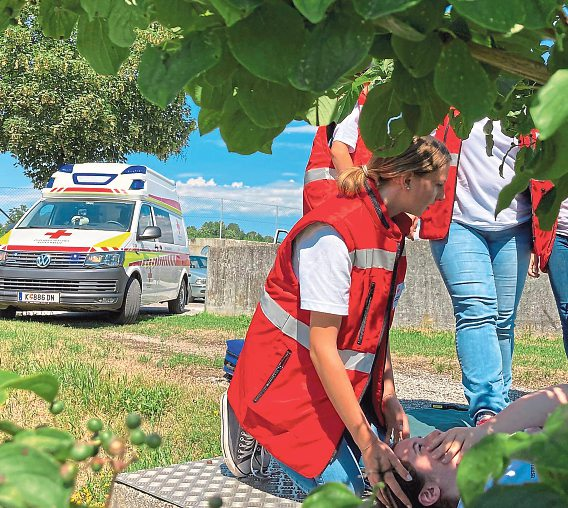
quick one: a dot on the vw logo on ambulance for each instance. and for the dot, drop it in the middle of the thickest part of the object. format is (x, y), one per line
(43, 260)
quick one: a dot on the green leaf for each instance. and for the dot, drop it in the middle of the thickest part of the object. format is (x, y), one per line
(484, 13)
(124, 17)
(426, 16)
(9, 427)
(520, 496)
(401, 28)
(333, 48)
(324, 111)
(96, 8)
(334, 495)
(462, 82)
(215, 97)
(208, 120)
(539, 13)
(9, 10)
(549, 109)
(94, 44)
(48, 440)
(424, 118)
(382, 48)
(242, 135)
(371, 9)
(58, 17)
(517, 185)
(419, 58)
(223, 70)
(31, 475)
(162, 74)
(235, 10)
(44, 385)
(256, 40)
(313, 10)
(551, 158)
(377, 127)
(268, 104)
(412, 90)
(187, 16)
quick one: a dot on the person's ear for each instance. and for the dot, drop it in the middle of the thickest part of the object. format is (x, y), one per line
(430, 494)
(407, 182)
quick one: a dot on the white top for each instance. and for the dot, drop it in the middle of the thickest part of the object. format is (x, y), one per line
(322, 265)
(562, 228)
(347, 131)
(479, 182)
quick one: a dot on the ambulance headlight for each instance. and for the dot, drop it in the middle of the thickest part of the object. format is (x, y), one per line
(3, 257)
(104, 259)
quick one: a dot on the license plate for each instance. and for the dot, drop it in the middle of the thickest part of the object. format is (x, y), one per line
(38, 297)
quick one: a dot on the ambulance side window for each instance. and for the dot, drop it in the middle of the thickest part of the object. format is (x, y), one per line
(145, 218)
(165, 224)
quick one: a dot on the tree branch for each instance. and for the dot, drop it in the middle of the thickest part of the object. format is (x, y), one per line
(503, 60)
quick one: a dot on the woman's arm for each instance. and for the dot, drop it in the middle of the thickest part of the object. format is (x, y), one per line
(396, 420)
(377, 456)
(340, 156)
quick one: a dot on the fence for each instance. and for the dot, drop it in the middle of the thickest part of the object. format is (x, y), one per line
(261, 217)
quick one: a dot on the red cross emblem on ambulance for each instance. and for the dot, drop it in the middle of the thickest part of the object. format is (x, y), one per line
(57, 234)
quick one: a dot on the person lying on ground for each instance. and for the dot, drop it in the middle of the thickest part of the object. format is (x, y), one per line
(433, 460)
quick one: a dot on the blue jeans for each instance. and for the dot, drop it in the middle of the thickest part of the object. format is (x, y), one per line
(558, 274)
(344, 468)
(484, 273)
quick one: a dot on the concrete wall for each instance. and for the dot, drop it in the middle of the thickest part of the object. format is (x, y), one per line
(196, 244)
(236, 276)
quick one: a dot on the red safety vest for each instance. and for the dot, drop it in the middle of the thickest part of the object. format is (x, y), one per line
(543, 241)
(276, 392)
(320, 176)
(435, 221)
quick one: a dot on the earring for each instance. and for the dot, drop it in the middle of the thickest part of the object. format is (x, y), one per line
(408, 187)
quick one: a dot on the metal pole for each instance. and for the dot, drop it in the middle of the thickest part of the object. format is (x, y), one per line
(221, 221)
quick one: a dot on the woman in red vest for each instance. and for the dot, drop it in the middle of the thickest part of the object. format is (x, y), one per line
(314, 384)
(483, 259)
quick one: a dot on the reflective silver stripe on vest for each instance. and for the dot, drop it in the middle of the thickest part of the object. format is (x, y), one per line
(300, 332)
(373, 258)
(313, 175)
(455, 157)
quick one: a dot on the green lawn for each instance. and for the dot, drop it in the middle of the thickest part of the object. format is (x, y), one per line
(169, 369)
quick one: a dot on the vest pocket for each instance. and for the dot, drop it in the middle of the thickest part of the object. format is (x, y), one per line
(274, 374)
(366, 313)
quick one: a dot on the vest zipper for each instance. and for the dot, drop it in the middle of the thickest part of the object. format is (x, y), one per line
(273, 376)
(365, 313)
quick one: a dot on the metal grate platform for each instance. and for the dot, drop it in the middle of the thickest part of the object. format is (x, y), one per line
(194, 483)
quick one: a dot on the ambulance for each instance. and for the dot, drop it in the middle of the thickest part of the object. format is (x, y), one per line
(103, 237)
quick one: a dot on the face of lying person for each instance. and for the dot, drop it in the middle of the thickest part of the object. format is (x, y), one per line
(439, 478)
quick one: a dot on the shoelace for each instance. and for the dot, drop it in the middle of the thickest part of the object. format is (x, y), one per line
(246, 444)
(262, 471)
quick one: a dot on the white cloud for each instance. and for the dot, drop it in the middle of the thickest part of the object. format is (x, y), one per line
(288, 174)
(287, 144)
(200, 182)
(300, 129)
(237, 185)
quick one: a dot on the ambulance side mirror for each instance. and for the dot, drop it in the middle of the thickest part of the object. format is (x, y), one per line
(150, 233)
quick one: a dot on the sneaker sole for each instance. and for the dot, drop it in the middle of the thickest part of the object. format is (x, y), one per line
(225, 439)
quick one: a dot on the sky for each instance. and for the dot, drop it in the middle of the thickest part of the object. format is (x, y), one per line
(205, 172)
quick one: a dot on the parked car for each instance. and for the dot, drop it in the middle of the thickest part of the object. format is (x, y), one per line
(102, 237)
(197, 277)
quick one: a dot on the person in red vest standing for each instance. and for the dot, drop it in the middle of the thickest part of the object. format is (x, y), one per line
(335, 148)
(314, 385)
(483, 260)
(551, 255)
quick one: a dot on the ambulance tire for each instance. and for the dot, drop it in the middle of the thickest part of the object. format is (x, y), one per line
(130, 309)
(177, 305)
(9, 313)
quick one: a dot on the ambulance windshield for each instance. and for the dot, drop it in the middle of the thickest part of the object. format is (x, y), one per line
(64, 214)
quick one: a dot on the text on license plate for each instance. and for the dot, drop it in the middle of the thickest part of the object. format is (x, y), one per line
(38, 297)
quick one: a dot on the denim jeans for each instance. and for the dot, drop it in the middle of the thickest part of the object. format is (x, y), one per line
(344, 468)
(558, 274)
(484, 273)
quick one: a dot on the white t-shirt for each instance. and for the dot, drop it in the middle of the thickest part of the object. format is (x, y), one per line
(322, 265)
(562, 228)
(479, 182)
(347, 131)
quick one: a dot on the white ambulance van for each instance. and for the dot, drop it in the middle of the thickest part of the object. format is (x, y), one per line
(102, 237)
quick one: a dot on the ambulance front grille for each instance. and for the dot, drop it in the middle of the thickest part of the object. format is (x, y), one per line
(59, 260)
(58, 285)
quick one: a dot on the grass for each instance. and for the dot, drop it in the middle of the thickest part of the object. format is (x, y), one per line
(169, 369)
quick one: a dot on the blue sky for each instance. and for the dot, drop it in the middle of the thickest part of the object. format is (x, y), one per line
(207, 170)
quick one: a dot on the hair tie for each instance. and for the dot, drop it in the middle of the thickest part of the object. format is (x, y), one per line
(365, 169)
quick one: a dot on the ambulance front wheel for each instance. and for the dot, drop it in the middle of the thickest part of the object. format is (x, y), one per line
(130, 309)
(177, 305)
(9, 313)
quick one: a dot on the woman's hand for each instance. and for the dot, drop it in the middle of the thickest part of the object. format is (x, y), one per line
(396, 421)
(534, 269)
(380, 462)
(444, 446)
